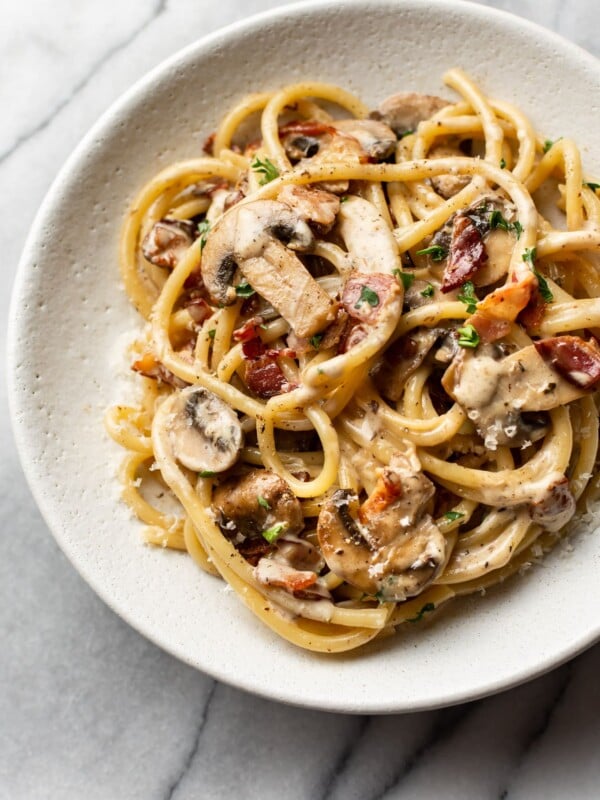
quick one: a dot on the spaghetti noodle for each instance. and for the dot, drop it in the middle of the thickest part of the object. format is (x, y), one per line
(369, 362)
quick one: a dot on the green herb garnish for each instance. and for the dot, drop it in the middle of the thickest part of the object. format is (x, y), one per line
(206, 473)
(405, 133)
(545, 290)
(529, 255)
(502, 163)
(436, 252)
(367, 296)
(263, 503)
(593, 186)
(517, 228)
(272, 533)
(203, 229)
(316, 340)
(425, 610)
(547, 145)
(405, 278)
(468, 337)
(244, 290)
(212, 333)
(452, 516)
(468, 297)
(267, 168)
(344, 198)
(428, 291)
(498, 221)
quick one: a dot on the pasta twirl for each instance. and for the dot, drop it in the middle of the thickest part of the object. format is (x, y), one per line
(369, 364)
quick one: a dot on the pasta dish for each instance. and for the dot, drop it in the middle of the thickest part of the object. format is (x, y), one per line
(368, 369)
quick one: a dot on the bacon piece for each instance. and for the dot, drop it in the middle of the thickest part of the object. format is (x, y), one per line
(249, 330)
(148, 366)
(489, 328)
(574, 358)
(272, 573)
(386, 491)
(167, 241)
(198, 309)
(254, 548)
(353, 334)
(506, 302)
(364, 294)
(557, 506)
(532, 315)
(467, 254)
(253, 349)
(207, 147)
(305, 127)
(265, 378)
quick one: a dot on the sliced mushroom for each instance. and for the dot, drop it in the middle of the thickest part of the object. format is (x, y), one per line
(403, 111)
(496, 392)
(367, 236)
(313, 205)
(377, 140)
(204, 433)
(258, 238)
(247, 507)
(393, 549)
(448, 185)
(168, 240)
(402, 359)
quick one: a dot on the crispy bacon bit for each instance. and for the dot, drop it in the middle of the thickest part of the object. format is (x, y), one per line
(467, 254)
(273, 573)
(506, 302)
(254, 548)
(489, 328)
(364, 294)
(253, 349)
(265, 378)
(353, 334)
(572, 357)
(167, 241)
(198, 309)
(280, 352)
(386, 491)
(207, 147)
(149, 367)
(532, 315)
(305, 127)
(249, 330)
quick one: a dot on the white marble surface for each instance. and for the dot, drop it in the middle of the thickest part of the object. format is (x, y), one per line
(90, 709)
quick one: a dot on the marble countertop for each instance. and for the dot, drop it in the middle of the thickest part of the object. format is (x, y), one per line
(89, 708)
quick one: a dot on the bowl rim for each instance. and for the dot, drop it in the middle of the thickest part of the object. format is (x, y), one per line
(224, 36)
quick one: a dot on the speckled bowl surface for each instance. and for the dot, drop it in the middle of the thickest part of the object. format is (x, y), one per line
(70, 321)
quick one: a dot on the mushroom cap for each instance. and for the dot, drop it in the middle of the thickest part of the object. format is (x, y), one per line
(204, 433)
(402, 567)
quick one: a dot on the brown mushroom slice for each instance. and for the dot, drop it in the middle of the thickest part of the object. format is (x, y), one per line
(258, 238)
(167, 241)
(448, 185)
(377, 140)
(367, 236)
(403, 111)
(556, 507)
(393, 550)
(497, 392)
(204, 433)
(257, 502)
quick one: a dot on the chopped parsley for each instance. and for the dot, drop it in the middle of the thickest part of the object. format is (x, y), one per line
(344, 198)
(436, 251)
(517, 228)
(272, 533)
(263, 503)
(268, 170)
(244, 290)
(427, 608)
(547, 145)
(502, 163)
(593, 186)
(498, 221)
(206, 473)
(212, 333)
(529, 255)
(468, 297)
(405, 278)
(452, 516)
(545, 290)
(428, 291)
(367, 296)
(316, 340)
(203, 229)
(468, 337)
(406, 133)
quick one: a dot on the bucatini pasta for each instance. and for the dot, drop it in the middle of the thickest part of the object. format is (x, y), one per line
(369, 362)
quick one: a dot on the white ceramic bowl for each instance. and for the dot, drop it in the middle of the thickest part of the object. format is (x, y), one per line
(69, 317)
